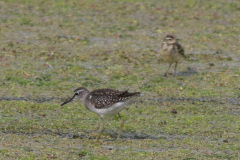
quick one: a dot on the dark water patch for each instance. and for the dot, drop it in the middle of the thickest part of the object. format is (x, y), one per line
(233, 101)
(73, 136)
(83, 135)
(135, 149)
(76, 38)
(130, 135)
(173, 137)
(38, 100)
(48, 132)
(13, 99)
(190, 71)
(87, 40)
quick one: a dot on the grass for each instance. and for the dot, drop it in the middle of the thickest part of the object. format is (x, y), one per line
(48, 49)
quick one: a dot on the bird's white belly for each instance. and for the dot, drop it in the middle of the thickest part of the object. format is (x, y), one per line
(114, 109)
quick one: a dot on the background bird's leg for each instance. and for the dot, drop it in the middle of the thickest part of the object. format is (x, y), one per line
(165, 75)
(120, 130)
(175, 69)
(103, 128)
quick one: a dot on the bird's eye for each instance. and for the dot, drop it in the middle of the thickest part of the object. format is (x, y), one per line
(76, 93)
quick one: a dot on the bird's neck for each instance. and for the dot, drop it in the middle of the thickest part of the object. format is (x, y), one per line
(172, 43)
(83, 98)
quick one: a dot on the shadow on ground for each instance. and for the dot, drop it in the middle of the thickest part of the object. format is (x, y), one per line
(189, 72)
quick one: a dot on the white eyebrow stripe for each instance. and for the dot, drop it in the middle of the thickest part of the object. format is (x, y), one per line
(79, 90)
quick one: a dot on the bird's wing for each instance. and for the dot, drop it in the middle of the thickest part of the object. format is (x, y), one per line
(103, 92)
(104, 98)
(180, 49)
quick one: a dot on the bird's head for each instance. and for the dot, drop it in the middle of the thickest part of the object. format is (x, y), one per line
(79, 93)
(170, 39)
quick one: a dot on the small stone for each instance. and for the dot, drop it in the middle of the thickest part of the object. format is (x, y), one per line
(164, 122)
(229, 59)
(219, 52)
(174, 111)
(211, 64)
(75, 136)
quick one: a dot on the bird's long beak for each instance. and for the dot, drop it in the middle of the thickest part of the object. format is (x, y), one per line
(67, 101)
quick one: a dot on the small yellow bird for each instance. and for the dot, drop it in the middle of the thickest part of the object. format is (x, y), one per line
(171, 51)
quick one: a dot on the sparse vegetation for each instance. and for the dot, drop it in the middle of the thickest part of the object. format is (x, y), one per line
(49, 48)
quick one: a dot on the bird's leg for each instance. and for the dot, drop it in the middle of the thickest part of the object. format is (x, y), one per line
(165, 75)
(120, 130)
(175, 69)
(103, 128)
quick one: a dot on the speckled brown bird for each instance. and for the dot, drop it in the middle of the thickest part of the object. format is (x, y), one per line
(104, 102)
(171, 51)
